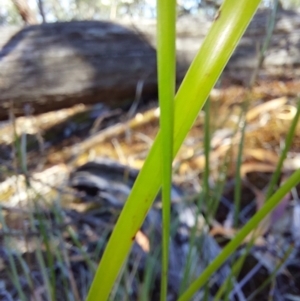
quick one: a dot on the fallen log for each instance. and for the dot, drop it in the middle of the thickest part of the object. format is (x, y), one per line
(52, 66)
(56, 65)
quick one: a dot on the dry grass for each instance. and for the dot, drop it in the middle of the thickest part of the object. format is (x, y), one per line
(52, 235)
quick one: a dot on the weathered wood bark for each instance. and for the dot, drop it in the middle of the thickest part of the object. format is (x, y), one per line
(51, 66)
(282, 59)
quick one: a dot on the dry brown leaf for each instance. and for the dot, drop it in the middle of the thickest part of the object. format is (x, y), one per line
(143, 241)
(289, 164)
(223, 231)
(265, 107)
(261, 155)
(287, 112)
(230, 233)
(256, 167)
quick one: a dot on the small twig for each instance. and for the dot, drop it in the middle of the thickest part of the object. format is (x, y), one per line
(71, 153)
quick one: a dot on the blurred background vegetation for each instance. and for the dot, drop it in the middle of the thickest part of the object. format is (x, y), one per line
(66, 10)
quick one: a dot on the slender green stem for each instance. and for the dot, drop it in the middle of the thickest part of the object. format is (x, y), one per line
(166, 60)
(238, 179)
(206, 148)
(288, 143)
(267, 40)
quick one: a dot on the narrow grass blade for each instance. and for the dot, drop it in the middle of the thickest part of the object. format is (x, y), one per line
(12, 264)
(238, 179)
(206, 148)
(273, 274)
(204, 195)
(235, 270)
(192, 238)
(246, 230)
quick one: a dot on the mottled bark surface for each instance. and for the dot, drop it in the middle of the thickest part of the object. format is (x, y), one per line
(57, 65)
(51, 66)
(283, 55)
